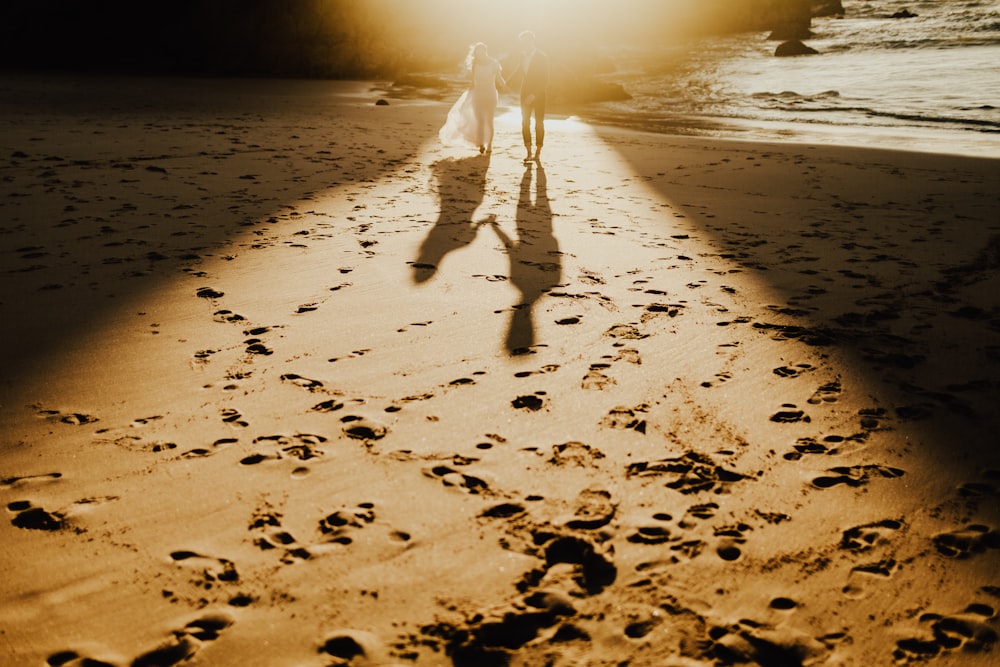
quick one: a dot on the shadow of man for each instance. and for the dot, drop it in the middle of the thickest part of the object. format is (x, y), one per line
(535, 260)
(461, 186)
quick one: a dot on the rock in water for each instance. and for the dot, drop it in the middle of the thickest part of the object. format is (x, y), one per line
(793, 48)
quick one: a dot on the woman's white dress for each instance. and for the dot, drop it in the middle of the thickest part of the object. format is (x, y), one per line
(470, 120)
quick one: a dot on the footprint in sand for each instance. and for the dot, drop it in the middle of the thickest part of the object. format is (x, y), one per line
(362, 428)
(257, 347)
(576, 454)
(871, 418)
(549, 368)
(595, 507)
(29, 517)
(227, 316)
(494, 278)
(783, 604)
(201, 452)
(965, 542)
(425, 323)
(832, 445)
(595, 379)
(303, 446)
(71, 418)
(336, 529)
(868, 536)
(489, 639)
(272, 536)
(458, 480)
(625, 332)
(869, 539)
(210, 293)
(202, 356)
(354, 354)
(627, 354)
(210, 569)
(304, 382)
(792, 371)
(782, 332)
(980, 490)
(233, 417)
(593, 569)
(790, 415)
(655, 532)
(721, 377)
(145, 421)
(861, 575)
(45, 477)
(655, 309)
(689, 473)
(73, 659)
(338, 526)
(683, 547)
(185, 642)
(828, 393)
(530, 402)
(331, 405)
(731, 537)
(855, 475)
(503, 511)
(970, 631)
(348, 645)
(701, 511)
(624, 418)
(181, 647)
(752, 642)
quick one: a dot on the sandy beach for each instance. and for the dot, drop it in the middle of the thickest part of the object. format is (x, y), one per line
(289, 383)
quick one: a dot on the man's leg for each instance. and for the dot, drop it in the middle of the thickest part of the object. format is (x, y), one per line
(526, 126)
(539, 124)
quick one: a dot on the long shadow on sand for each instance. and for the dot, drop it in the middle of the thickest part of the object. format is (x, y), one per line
(461, 185)
(535, 264)
(888, 265)
(125, 184)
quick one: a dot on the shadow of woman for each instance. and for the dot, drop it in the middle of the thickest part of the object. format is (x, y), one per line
(461, 186)
(535, 260)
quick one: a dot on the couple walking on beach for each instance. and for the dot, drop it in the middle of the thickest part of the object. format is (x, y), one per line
(471, 118)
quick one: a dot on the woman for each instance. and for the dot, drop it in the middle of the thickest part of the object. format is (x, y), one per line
(471, 118)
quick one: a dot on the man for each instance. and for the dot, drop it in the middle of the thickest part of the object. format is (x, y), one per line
(533, 68)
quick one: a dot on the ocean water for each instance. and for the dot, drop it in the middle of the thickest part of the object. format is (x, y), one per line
(928, 83)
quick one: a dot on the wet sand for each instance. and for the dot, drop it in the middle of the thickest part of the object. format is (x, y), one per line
(289, 383)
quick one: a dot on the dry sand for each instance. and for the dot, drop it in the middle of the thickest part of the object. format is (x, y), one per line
(288, 383)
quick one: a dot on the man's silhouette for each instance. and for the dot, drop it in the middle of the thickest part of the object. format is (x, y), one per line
(533, 68)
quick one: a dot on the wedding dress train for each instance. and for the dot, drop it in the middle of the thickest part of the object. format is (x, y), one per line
(470, 120)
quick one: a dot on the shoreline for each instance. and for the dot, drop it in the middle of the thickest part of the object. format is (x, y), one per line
(291, 384)
(984, 145)
(930, 140)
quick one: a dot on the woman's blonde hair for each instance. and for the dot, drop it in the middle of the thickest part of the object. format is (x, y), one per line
(477, 51)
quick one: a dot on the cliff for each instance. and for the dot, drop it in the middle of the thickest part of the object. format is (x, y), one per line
(348, 38)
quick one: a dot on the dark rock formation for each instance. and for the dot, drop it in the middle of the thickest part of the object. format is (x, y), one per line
(904, 14)
(793, 48)
(827, 8)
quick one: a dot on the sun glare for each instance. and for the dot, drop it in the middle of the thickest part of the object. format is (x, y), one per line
(564, 26)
